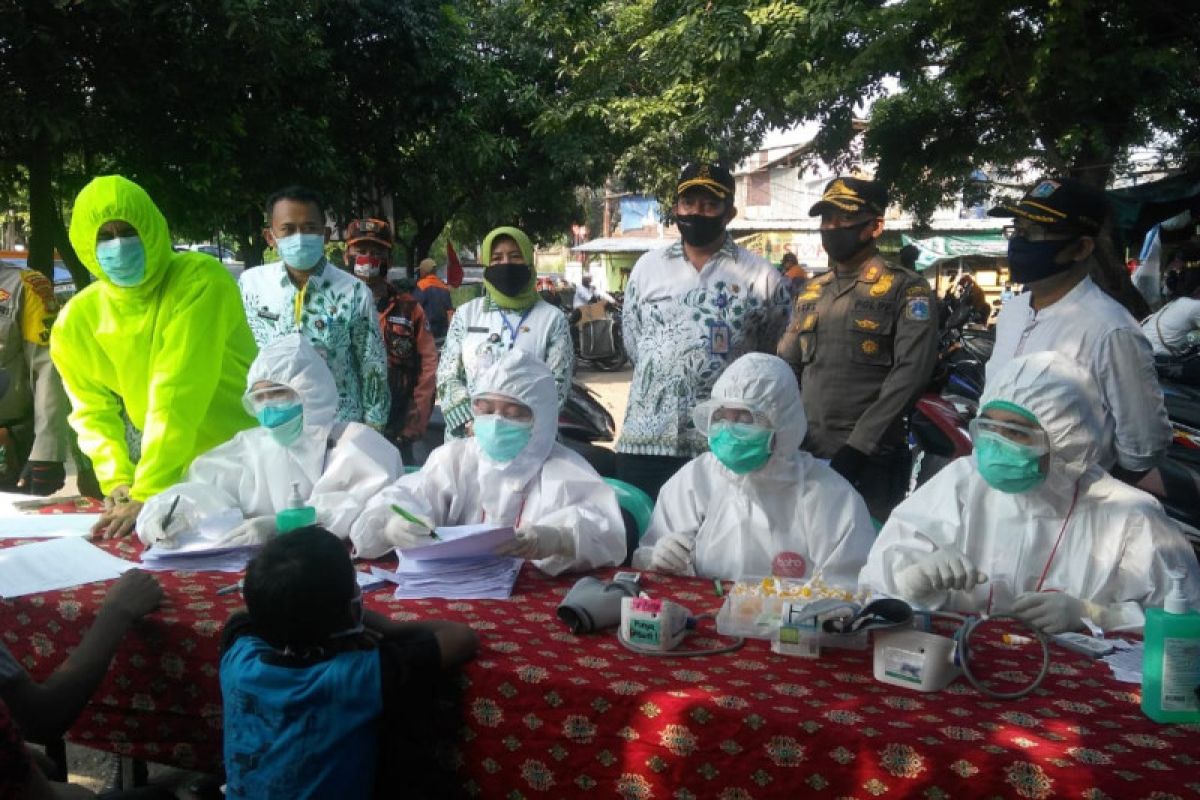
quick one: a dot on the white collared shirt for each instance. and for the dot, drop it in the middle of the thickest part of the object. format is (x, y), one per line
(1095, 331)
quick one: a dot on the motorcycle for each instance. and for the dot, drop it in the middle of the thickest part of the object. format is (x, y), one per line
(1176, 480)
(938, 424)
(596, 336)
(582, 422)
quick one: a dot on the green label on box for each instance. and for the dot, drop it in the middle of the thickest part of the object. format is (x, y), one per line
(644, 631)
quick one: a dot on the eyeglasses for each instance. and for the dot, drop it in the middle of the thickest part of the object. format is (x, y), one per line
(276, 395)
(1032, 437)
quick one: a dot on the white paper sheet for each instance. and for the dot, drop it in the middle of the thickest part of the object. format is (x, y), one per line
(463, 541)
(1126, 664)
(58, 564)
(201, 551)
(46, 526)
(491, 577)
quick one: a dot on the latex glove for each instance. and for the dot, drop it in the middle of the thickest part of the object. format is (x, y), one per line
(184, 518)
(403, 534)
(256, 530)
(43, 478)
(673, 554)
(540, 541)
(944, 569)
(1055, 612)
(120, 514)
(848, 462)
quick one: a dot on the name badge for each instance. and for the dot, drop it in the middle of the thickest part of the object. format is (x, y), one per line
(265, 313)
(718, 339)
(477, 329)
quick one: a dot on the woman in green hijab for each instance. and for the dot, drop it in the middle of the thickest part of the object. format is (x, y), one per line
(511, 314)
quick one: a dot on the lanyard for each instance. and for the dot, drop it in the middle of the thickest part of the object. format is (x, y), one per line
(1061, 531)
(299, 304)
(514, 332)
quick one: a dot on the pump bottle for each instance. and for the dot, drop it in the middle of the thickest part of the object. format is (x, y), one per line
(297, 514)
(1171, 659)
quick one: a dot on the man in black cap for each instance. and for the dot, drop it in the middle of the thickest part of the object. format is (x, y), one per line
(863, 343)
(690, 310)
(1052, 250)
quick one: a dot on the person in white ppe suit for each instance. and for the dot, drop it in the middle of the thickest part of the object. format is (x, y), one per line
(337, 466)
(1032, 524)
(510, 472)
(756, 504)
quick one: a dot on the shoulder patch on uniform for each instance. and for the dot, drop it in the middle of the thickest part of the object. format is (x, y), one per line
(871, 274)
(917, 291)
(917, 309)
(883, 285)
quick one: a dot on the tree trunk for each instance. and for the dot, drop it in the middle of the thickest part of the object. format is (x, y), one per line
(62, 242)
(253, 254)
(41, 210)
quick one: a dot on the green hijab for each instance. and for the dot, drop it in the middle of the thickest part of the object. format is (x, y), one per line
(529, 295)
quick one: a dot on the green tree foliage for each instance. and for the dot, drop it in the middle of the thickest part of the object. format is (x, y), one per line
(212, 104)
(1065, 86)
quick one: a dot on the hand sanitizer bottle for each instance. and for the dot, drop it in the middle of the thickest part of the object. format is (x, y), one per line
(297, 514)
(1171, 659)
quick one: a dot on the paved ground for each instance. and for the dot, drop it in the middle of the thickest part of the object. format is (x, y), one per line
(612, 389)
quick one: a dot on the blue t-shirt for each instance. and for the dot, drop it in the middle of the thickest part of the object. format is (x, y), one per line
(299, 731)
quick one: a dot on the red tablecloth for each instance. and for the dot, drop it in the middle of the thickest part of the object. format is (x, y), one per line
(548, 714)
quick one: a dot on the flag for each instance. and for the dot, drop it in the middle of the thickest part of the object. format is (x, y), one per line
(454, 270)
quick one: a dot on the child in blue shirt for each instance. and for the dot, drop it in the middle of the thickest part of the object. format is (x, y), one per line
(313, 687)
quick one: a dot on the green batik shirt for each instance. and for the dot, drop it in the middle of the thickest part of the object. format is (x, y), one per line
(336, 313)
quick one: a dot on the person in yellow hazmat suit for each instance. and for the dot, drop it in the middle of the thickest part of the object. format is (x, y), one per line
(159, 335)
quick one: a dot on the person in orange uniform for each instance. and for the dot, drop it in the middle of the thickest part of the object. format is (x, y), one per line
(411, 352)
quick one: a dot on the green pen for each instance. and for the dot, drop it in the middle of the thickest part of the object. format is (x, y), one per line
(718, 589)
(414, 519)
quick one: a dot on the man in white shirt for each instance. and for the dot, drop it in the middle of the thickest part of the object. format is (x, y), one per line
(302, 292)
(1168, 328)
(691, 309)
(1050, 251)
(586, 294)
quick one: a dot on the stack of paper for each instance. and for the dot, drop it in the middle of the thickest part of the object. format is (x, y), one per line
(201, 550)
(19, 519)
(59, 564)
(461, 566)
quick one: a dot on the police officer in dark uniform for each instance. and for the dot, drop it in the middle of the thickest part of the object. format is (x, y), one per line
(863, 342)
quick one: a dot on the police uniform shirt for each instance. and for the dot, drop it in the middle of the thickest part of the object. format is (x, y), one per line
(863, 349)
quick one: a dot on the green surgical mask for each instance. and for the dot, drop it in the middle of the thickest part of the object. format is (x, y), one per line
(502, 439)
(741, 447)
(1006, 465)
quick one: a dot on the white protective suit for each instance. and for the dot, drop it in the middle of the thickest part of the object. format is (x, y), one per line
(793, 503)
(338, 466)
(546, 485)
(1116, 545)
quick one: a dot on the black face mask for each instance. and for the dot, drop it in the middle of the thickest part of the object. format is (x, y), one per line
(1030, 262)
(699, 230)
(842, 244)
(509, 279)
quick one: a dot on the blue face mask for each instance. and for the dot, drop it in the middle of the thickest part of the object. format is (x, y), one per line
(502, 439)
(123, 260)
(740, 446)
(1006, 465)
(284, 422)
(301, 251)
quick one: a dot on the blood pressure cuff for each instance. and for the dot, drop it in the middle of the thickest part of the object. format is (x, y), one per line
(593, 604)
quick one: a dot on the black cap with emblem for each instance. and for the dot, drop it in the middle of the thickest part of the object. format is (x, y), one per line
(1060, 204)
(851, 195)
(713, 178)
